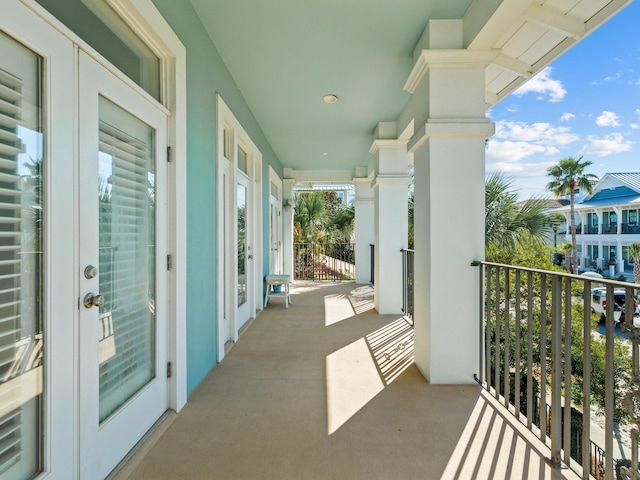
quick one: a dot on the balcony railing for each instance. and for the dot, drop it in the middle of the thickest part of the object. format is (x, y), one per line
(630, 228)
(609, 228)
(542, 357)
(407, 283)
(373, 262)
(591, 230)
(578, 229)
(318, 261)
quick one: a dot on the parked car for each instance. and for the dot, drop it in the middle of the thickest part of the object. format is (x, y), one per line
(599, 303)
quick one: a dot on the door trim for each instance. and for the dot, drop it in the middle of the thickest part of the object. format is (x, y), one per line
(229, 131)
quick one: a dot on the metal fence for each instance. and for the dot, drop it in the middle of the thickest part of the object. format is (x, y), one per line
(540, 350)
(372, 248)
(316, 261)
(407, 283)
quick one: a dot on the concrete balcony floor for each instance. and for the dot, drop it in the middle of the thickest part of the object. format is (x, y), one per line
(327, 389)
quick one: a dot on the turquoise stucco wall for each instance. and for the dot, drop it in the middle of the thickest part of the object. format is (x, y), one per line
(206, 76)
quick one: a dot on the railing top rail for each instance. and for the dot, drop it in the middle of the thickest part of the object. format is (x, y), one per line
(605, 281)
(406, 250)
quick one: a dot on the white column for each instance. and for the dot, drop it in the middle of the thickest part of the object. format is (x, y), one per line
(364, 232)
(287, 226)
(619, 259)
(600, 261)
(391, 222)
(449, 230)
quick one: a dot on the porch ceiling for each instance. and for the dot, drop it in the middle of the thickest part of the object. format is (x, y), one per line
(285, 55)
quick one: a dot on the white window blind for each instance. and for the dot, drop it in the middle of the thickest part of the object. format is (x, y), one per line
(127, 253)
(21, 339)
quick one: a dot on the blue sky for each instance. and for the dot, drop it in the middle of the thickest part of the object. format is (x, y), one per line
(586, 103)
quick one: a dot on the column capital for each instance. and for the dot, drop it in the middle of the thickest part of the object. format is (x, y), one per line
(446, 58)
(391, 179)
(386, 143)
(480, 127)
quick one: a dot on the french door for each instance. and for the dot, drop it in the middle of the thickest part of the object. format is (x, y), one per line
(245, 254)
(122, 326)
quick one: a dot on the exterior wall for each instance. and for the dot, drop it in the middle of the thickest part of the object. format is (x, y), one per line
(602, 240)
(206, 76)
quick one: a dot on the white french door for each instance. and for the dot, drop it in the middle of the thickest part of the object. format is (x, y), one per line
(244, 250)
(122, 175)
(275, 235)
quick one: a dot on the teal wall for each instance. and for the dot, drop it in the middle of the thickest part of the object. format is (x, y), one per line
(206, 76)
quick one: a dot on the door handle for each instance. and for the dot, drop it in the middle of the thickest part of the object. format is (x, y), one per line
(250, 257)
(91, 300)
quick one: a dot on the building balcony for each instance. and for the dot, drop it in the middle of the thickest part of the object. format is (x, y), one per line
(608, 229)
(327, 389)
(630, 228)
(591, 230)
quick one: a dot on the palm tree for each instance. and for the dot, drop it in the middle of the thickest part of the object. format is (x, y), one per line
(566, 176)
(509, 223)
(633, 254)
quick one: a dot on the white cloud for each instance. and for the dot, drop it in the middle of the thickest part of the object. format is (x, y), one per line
(613, 77)
(543, 85)
(540, 133)
(607, 145)
(634, 126)
(637, 112)
(513, 108)
(608, 119)
(520, 169)
(567, 116)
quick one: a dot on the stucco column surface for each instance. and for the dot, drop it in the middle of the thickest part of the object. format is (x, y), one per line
(364, 228)
(449, 230)
(391, 222)
(287, 227)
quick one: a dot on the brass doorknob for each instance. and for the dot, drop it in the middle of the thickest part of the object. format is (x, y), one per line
(91, 300)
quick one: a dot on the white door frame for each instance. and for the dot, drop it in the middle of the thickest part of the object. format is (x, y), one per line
(230, 130)
(275, 201)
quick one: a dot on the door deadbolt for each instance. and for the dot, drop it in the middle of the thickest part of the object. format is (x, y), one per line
(91, 300)
(90, 272)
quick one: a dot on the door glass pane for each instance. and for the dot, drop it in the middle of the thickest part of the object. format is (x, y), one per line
(242, 244)
(101, 27)
(126, 195)
(21, 263)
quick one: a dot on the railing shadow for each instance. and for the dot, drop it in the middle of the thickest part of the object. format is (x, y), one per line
(392, 349)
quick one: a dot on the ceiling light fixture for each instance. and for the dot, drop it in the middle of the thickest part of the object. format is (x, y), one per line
(330, 98)
(325, 153)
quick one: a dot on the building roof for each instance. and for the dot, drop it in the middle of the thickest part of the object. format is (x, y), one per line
(613, 185)
(555, 202)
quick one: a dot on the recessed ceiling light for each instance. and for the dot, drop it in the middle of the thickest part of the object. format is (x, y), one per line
(330, 98)
(325, 153)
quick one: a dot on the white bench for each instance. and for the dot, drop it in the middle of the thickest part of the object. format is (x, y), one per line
(283, 282)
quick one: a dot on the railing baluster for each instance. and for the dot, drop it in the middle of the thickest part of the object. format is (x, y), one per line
(566, 444)
(556, 368)
(487, 330)
(543, 357)
(497, 336)
(529, 350)
(481, 323)
(507, 338)
(608, 384)
(586, 382)
(516, 353)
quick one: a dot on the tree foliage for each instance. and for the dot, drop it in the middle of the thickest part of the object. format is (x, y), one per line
(566, 176)
(633, 254)
(509, 225)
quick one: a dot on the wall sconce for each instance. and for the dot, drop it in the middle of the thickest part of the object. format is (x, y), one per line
(286, 205)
